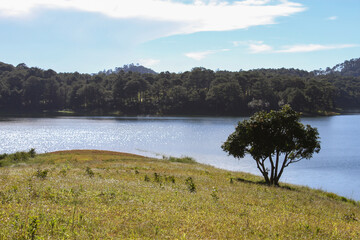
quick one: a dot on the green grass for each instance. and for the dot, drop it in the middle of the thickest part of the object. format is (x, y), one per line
(18, 157)
(180, 160)
(108, 195)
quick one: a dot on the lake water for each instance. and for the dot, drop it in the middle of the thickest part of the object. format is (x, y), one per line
(336, 168)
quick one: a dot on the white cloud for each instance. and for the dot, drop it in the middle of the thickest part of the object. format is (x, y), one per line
(332, 18)
(259, 47)
(313, 48)
(201, 55)
(256, 2)
(213, 15)
(149, 62)
(254, 46)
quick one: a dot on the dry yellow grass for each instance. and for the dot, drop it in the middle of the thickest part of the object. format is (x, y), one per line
(108, 195)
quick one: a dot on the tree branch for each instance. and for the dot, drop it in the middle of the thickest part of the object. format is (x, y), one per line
(293, 161)
(284, 165)
(261, 167)
(277, 163)
(272, 169)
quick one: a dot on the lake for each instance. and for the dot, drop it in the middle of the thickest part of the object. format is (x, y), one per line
(336, 168)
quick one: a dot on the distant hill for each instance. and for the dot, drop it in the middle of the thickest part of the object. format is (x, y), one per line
(349, 68)
(129, 68)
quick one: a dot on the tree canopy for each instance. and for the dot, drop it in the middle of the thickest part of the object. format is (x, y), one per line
(275, 140)
(199, 91)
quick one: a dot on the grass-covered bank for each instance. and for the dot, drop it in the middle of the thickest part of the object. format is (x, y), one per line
(104, 195)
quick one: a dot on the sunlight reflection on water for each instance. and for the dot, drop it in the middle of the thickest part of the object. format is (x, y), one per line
(336, 168)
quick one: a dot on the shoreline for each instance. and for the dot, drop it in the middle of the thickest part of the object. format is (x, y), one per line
(88, 114)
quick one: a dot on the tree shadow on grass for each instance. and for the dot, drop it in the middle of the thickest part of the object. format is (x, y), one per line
(263, 183)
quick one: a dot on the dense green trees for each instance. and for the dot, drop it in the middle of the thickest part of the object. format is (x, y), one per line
(199, 91)
(275, 140)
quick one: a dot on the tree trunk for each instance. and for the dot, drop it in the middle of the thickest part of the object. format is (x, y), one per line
(263, 171)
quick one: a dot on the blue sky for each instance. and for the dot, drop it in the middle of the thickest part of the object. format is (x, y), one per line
(176, 35)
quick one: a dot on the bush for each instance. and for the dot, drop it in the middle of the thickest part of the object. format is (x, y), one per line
(42, 174)
(180, 160)
(17, 157)
(214, 194)
(190, 184)
(2, 156)
(146, 178)
(170, 179)
(32, 153)
(157, 177)
(89, 172)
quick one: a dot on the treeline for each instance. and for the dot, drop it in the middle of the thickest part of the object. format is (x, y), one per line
(199, 91)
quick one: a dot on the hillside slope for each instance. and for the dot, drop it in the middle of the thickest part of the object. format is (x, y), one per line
(102, 195)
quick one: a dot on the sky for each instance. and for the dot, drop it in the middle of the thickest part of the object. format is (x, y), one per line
(88, 36)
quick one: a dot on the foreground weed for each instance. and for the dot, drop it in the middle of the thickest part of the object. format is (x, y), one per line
(214, 195)
(53, 224)
(32, 227)
(89, 172)
(42, 174)
(190, 185)
(170, 179)
(157, 177)
(146, 178)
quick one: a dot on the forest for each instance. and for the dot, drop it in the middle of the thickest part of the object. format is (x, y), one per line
(200, 91)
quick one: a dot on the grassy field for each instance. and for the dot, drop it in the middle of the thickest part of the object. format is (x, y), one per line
(86, 194)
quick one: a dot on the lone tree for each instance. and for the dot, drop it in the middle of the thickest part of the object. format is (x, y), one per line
(276, 136)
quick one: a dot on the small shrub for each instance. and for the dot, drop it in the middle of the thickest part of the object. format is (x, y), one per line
(19, 157)
(185, 159)
(2, 156)
(157, 177)
(170, 179)
(32, 153)
(33, 227)
(190, 185)
(89, 172)
(146, 178)
(42, 174)
(214, 194)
